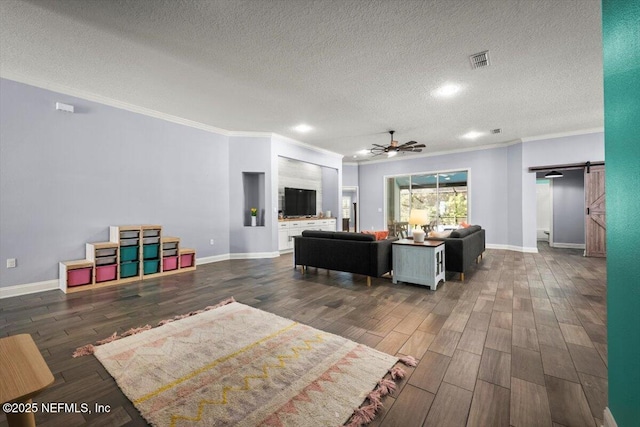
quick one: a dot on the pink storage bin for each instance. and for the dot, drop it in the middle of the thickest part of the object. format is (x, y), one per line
(106, 272)
(169, 263)
(79, 276)
(186, 260)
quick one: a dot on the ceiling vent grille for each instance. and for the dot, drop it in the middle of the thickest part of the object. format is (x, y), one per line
(494, 131)
(479, 60)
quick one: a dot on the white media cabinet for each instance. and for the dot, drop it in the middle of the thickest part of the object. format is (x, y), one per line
(289, 228)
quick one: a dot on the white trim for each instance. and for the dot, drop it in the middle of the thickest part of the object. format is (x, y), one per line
(210, 259)
(255, 255)
(608, 419)
(89, 96)
(562, 134)
(29, 288)
(357, 212)
(551, 212)
(439, 153)
(288, 140)
(567, 245)
(522, 249)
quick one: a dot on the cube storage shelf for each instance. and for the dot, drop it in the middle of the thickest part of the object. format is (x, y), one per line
(133, 252)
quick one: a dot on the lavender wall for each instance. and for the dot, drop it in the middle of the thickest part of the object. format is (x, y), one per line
(350, 175)
(64, 178)
(488, 186)
(249, 154)
(568, 208)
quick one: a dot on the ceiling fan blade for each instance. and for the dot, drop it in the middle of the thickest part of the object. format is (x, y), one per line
(378, 145)
(410, 143)
(418, 146)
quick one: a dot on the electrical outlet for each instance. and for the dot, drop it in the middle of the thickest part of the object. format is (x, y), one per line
(11, 262)
(211, 242)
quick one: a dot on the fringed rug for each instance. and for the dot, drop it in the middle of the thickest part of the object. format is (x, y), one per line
(235, 365)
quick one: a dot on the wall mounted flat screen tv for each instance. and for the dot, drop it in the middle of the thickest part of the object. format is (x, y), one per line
(299, 202)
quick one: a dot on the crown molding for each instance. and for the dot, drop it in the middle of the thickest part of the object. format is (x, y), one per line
(90, 96)
(441, 153)
(292, 141)
(563, 134)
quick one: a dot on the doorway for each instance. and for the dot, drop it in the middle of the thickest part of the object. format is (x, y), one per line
(350, 214)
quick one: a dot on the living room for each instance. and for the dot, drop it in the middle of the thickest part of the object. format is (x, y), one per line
(67, 177)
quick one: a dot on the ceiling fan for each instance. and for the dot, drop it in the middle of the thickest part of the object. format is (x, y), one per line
(394, 148)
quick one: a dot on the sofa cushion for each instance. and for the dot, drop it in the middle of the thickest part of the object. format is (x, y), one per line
(343, 235)
(464, 232)
(318, 233)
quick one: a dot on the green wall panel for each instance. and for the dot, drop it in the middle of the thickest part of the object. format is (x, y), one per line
(621, 37)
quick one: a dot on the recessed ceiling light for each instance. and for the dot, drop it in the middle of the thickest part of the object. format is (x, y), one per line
(472, 135)
(303, 128)
(447, 90)
(364, 152)
(355, 157)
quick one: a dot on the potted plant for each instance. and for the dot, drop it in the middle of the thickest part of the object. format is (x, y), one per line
(254, 215)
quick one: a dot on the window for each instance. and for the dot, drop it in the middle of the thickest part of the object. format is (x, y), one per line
(442, 194)
(346, 206)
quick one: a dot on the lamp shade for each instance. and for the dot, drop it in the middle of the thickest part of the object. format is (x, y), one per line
(418, 217)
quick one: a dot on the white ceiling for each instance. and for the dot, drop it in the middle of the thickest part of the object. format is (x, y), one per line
(352, 69)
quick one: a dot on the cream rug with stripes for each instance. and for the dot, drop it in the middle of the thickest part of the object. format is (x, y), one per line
(239, 366)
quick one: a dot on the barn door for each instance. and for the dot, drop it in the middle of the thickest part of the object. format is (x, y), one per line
(596, 227)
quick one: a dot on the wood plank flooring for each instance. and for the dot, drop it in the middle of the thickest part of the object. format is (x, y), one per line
(521, 342)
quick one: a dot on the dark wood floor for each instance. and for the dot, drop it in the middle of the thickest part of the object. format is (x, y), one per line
(521, 342)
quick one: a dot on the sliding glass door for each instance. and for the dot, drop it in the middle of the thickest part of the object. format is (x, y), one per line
(443, 195)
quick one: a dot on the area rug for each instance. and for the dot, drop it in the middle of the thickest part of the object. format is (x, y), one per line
(235, 365)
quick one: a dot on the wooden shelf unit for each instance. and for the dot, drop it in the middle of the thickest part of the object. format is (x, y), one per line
(133, 253)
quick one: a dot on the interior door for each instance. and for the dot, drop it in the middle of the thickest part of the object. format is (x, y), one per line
(596, 226)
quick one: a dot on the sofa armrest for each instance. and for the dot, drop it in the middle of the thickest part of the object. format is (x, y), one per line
(381, 256)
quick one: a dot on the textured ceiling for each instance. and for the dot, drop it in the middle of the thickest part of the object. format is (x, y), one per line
(352, 69)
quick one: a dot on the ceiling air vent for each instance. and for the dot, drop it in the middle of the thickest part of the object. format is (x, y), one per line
(480, 60)
(494, 131)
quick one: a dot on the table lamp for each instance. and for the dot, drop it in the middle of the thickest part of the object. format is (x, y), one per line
(417, 218)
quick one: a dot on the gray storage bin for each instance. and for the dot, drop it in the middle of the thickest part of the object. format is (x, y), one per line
(106, 260)
(169, 252)
(129, 234)
(151, 233)
(106, 252)
(129, 242)
(172, 245)
(151, 240)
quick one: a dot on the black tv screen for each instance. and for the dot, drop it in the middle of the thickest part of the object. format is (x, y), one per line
(299, 202)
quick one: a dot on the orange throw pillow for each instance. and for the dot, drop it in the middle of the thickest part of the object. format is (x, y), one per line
(464, 225)
(380, 235)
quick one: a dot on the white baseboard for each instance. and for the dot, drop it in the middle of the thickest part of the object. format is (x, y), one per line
(567, 245)
(210, 259)
(255, 255)
(609, 421)
(29, 288)
(513, 248)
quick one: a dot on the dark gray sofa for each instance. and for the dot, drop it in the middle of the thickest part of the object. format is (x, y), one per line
(341, 251)
(462, 248)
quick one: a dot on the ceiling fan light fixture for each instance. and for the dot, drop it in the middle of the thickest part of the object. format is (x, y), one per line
(392, 153)
(553, 174)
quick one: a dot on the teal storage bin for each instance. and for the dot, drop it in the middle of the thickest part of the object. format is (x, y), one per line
(128, 269)
(129, 253)
(151, 251)
(152, 266)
